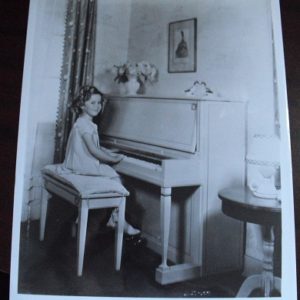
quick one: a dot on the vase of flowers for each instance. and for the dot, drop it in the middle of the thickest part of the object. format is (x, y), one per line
(135, 76)
(132, 85)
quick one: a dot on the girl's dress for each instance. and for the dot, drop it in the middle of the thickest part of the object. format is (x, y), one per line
(78, 158)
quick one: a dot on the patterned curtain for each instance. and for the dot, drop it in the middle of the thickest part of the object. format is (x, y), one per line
(78, 65)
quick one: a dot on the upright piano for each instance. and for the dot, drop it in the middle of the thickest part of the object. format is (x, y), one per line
(189, 149)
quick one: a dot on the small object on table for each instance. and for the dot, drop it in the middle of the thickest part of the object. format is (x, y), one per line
(241, 204)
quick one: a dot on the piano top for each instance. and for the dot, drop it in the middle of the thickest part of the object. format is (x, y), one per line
(163, 122)
(209, 98)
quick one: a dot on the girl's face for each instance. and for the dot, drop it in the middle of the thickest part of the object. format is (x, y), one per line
(93, 106)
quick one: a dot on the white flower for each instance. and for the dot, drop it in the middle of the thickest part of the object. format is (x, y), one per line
(144, 71)
(131, 69)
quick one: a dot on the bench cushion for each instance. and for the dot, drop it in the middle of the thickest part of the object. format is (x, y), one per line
(85, 185)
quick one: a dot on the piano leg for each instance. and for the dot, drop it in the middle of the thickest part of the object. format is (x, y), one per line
(165, 216)
(169, 274)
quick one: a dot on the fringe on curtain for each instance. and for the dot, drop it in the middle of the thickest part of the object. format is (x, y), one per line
(78, 65)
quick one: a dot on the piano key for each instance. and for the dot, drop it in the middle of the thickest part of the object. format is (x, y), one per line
(149, 157)
(142, 163)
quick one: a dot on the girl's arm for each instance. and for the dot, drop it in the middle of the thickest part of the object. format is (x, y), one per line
(107, 151)
(104, 156)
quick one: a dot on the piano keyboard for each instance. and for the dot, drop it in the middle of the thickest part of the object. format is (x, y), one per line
(142, 163)
(141, 155)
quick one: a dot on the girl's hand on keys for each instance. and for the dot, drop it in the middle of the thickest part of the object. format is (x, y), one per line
(119, 157)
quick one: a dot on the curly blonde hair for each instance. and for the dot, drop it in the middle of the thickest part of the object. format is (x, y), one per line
(85, 94)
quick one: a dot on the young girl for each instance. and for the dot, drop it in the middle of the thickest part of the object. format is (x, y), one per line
(84, 155)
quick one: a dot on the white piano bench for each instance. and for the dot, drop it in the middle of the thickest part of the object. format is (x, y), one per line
(94, 201)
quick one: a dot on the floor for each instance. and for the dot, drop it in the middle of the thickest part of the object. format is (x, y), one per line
(49, 267)
(4, 285)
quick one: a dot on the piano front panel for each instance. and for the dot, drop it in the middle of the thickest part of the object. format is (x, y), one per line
(181, 172)
(160, 122)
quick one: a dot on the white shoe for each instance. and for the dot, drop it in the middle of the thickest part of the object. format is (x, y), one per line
(113, 220)
(111, 223)
(128, 229)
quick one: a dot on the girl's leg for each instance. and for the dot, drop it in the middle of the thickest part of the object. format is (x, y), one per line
(128, 229)
(112, 222)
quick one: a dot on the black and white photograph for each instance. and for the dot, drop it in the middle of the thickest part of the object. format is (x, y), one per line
(153, 155)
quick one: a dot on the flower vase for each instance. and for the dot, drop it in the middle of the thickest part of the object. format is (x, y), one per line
(132, 86)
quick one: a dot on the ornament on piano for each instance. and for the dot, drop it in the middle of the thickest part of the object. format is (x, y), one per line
(199, 89)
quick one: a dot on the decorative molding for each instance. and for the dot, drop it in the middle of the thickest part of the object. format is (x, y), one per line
(264, 163)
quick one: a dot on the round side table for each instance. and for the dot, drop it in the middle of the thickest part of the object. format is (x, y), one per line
(239, 203)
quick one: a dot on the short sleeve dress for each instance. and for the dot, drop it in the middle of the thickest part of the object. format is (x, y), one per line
(78, 159)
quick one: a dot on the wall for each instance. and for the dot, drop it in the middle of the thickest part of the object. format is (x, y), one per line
(113, 20)
(234, 49)
(45, 53)
(234, 56)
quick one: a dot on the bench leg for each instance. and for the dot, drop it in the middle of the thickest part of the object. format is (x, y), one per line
(119, 234)
(81, 235)
(74, 228)
(44, 206)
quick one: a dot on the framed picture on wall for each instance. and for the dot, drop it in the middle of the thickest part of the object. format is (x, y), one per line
(182, 46)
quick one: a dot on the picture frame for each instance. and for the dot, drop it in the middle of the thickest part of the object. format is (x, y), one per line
(182, 56)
